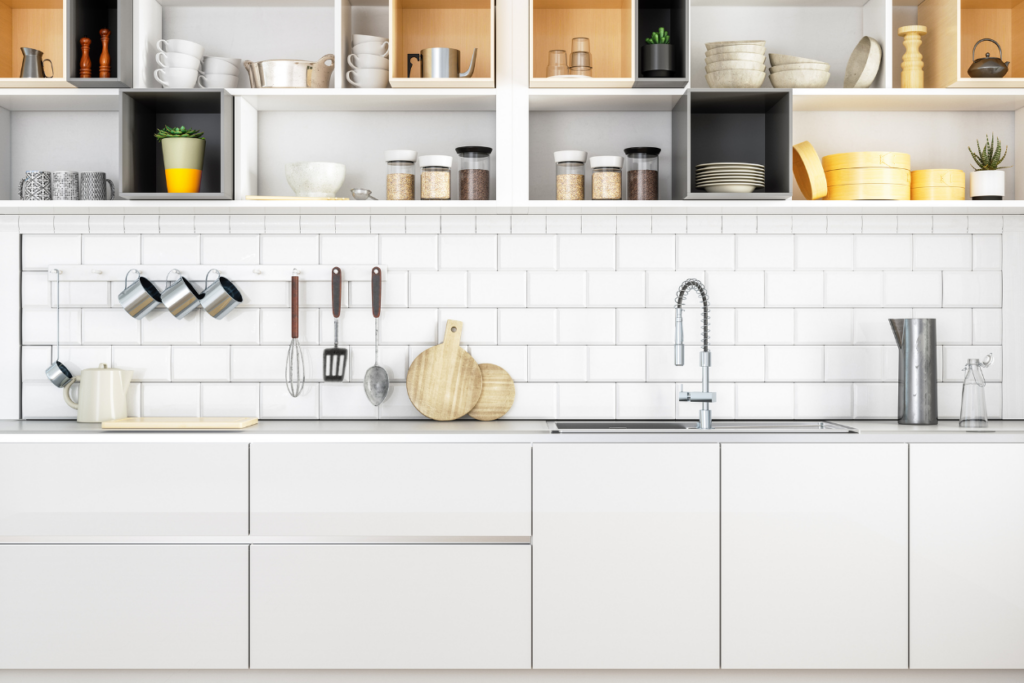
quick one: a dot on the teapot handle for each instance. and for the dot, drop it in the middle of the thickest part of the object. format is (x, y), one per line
(67, 393)
(991, 41)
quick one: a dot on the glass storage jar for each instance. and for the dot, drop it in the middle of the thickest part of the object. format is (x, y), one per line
(606, 177)
(401, 174)
(643, 172)
(569, 174)
(436, 176)
(474, 172)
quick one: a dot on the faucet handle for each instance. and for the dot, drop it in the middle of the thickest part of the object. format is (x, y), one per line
(698, 396)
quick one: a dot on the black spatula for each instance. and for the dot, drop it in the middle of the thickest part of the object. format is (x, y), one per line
(335, 359)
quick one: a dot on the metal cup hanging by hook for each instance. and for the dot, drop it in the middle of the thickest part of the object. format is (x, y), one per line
(180, 297)
(57, 373)
(221, 297)
(140, 297)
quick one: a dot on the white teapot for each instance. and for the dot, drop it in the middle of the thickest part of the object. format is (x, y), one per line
(102, 394)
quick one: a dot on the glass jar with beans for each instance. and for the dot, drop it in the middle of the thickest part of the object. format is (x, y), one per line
(606, 177)
(642, 172)
(569, 174)
(401, 174)
(474, 172)
(435, 176)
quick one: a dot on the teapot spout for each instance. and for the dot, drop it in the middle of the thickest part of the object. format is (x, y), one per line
(472, 66)
(898, 327)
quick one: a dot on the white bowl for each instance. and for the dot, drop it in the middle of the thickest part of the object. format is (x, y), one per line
(315, 178)
(735, 78)
(215, 81)
(730, 189)
(790, 59)
(176, 60)
(758, 49)
(358, 39)
(379, 49)
(800, 67)
(217, 65)
(800, 79)
(729, 43)
(178, 45)
(735, 57)
(733, 64)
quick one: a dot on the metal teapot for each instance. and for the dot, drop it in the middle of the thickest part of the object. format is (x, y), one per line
(440, 62)
(989, 67)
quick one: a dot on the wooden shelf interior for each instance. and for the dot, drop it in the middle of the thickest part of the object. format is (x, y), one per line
(608, 24)
(31, 23)
(461, 24)
(670, 14)
(89, 17)
(1000, 20)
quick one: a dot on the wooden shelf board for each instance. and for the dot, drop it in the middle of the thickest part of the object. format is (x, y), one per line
(39, 83)
(615, 99)
(442, 82)
(782, 3)
(988, 83)
(898, 99)
(581, 84)
(369, 99)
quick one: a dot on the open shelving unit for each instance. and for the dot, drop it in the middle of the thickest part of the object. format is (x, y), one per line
(85, 19)
(39, 24)
(613, 41)
(673, 16)
(463, 24)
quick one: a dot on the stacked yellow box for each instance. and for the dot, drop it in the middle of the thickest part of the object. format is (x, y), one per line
(867, 175)
(938, 183)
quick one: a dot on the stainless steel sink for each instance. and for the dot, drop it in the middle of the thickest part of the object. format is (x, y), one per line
(719, 426)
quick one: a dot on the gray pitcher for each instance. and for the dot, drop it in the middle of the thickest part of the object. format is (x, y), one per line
(93, 187)
(35, 186)
(32, 64)
(918, 388)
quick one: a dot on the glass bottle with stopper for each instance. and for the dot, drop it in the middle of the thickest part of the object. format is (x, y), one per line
(973, 411)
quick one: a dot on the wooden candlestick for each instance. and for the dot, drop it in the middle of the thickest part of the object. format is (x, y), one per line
(85, 66)
(105, 54)
(912, 75)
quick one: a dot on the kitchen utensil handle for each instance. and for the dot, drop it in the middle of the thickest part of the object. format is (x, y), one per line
(336, 291)
(295, 307)
(982, 41)
(113, 192)
(409, 61)
(375, 291)
(43, 69)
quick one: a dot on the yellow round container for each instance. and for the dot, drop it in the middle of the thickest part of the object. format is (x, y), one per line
(834, 162)
(810, 176)
(938, 177)
(872, 191)
(923, 193)
(868, 176)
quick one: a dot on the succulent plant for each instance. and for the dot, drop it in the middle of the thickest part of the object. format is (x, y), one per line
(179, 132)
(659, 37)
(990, 156)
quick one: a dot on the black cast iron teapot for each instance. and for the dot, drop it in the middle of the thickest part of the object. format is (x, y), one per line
(989, 67)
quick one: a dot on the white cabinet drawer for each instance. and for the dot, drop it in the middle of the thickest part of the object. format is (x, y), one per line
(138, 489)
(390, 607)
(391, 490)
(123, 607)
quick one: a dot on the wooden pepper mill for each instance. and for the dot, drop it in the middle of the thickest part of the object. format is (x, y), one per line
(105, 54)
(85, 66)
(912, 75)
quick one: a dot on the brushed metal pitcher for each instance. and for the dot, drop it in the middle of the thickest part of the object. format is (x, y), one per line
(440, 62)
(32, 64)
(918, 380)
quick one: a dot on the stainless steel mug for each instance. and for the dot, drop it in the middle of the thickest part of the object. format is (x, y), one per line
(65, 185)
(918, 373)
(221, 297)
(440, 62)
(32, 64)
(58, 374)
(180, 297)
(35, 186)
(140, 297)
(93, 186)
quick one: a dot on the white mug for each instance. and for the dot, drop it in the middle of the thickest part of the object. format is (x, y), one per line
(218, 81)
(358, 38)
(367, 62)
(177, 60)
(368, 78)
(219, 65)
(177, 45)
(176, 78)
(379, 49)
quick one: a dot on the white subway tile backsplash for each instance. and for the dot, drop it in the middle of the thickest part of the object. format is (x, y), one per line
(229, 400)
(663, 285)
(170, 250)
(409, 251)
(397, 406)
(469, 252)
(35, 224)
(349, 249)
(948, 225)
(860, 363)
(586, 252)
(220, 225)
(438, 288)
(345, 401)
(70, 224)
(256, 363)
(162, 328)
(290, 250)
(534, 402)
(703, 224)
(554, 289)
(170, 400)
(417, 225)
(615, 289)
(277, 404)
(913, 289)
(480, 325)
(988, 326)
(727, 288)
(739, 224)
(988, 252)
(706, 252)
(242, 326)
(352, 225)
(586, 401)
(394, 291)
(78, 358)
(504, 289)
(527, 326)
(111, 249)
(39, 252)
(36, 289)
(599, 225)
(492, 225)
(40, 326)
(617, 364)
(795, 363)
(661, 365)
(954, 358)
(585, 326)
(668, 225)
(527, 252)
(83, 294)
(735, 363)
(879, 224)
(875, 401)
(528, 224)
(565, 224)
(764, 252)
(884, 252)
(225, 250)
(247, 225)
(512, 359)
(942, 252)
(558, 364)
(809, 224)
(645, 401)
(393, 225)
(793, 289)
(775, 401)
(147, 363)
(201, 363)
(106, 224)
(394, 359)
(644, 326)
(983, 223)
(355, 325)
(981, 289)
(723, 408)
(824, 252)
(764, 326)
(778, 224)
(283, 225)
(41, 401)
(824, 401)
(109, 326)
(142, 225)
(177, 224)
(269, 326)
(914, 224)
(844, 224)
(646, 252)
(860, 288)
(631, 224)
(409, 326)
(315, 224)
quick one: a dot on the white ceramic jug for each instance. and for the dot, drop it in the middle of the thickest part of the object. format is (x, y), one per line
(102, 394)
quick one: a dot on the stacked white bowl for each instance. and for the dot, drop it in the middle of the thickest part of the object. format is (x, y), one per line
(788, 71)
(179, 62)
(220, 72)
(369, 62)
(735, 64)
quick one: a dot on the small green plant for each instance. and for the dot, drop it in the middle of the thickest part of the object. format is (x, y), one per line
(180, 132)
(659, 37)
(990, 156)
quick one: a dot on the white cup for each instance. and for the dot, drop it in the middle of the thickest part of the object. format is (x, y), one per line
(368, 62)
(177, 60)
(176, 78)
(178, 45)
(218, 81)
(217, 65)
(358, 38)
(368, 78)
(379, 49)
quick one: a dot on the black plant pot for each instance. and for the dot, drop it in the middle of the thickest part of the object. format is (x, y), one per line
(657, 61)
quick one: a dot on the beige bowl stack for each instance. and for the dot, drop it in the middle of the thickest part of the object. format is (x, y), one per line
(788, 71)
(735, 64)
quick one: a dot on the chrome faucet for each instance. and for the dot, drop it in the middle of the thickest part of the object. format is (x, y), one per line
(704, 396)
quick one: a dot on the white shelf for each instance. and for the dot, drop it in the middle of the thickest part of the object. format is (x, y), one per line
(60, 99)
(370, 99)
(606, 99)
(897, 99)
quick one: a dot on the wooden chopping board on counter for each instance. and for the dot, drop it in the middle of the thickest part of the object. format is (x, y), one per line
(444, 382)
(167, 423)
(499, 392)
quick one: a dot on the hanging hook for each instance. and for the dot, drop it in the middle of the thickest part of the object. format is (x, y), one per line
(167, 279)
(133, 270)
(211, 270)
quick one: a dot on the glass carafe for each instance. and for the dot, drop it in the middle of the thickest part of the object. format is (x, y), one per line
(973, 412)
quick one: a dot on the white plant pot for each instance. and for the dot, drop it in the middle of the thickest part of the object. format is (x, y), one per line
(988, 184)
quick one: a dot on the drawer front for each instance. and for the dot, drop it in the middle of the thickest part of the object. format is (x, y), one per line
(123, 490)
(123, 607)
(391, 490)
(390, 607)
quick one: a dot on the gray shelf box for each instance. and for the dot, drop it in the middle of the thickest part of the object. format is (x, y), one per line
(674, 15)
(143, 112)
(753, 126)
(85, 19)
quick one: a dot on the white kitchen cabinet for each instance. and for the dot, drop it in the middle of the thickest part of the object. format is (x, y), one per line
(390, 607)
(123, 489)
(391, 490)
(625, 556)
(967, 556)
(123, 607)
(814, 556)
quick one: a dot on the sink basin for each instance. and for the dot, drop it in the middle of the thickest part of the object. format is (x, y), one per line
(720, 426)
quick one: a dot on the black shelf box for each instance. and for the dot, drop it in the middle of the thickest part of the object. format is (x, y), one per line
(85, 18)
(673, 15)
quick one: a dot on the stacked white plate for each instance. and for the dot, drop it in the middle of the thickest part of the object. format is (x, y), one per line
(788, 71)
(730, 177)
(735, 64)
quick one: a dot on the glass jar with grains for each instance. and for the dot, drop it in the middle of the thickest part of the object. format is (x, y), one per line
(606, 177)
(474, 172)
(401, 173)
(569, 174)
(643, 172)
(436, 176)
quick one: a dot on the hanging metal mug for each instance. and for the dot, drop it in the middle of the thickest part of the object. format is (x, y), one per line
(58, 374)
(140, 297)
(221, 297)
(180, 297)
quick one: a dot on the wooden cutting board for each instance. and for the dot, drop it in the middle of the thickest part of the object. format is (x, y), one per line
(499, 392)
(181, 423)
(444, 382)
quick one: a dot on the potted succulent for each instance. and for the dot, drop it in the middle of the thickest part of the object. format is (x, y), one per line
(657, 55)
(987, 180)
(183, 150)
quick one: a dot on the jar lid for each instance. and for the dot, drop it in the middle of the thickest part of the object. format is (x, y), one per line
(473, 151)
(642, 151)
(606, 162)
(436, 160)
(570, 155)
(400, 155)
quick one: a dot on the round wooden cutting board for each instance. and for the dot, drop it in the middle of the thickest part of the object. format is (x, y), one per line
(444, 382)
(498, 395)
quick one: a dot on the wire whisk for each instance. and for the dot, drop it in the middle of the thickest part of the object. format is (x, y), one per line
(295, 365)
